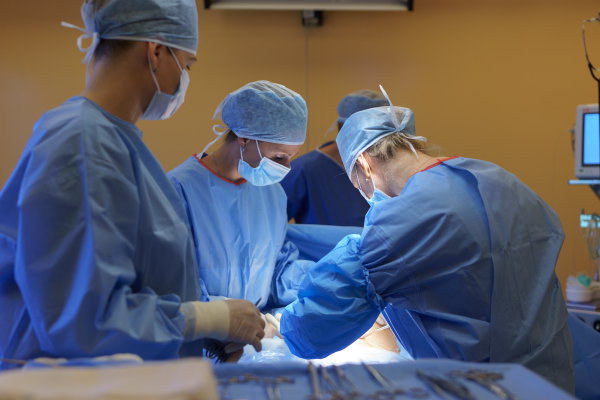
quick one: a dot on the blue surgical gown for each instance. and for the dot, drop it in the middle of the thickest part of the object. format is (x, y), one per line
(319, 192)
(95, 251)
(586, 348)
(461, 264)
(239, 232)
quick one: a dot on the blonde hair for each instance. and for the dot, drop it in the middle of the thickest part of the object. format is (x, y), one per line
(387, 148)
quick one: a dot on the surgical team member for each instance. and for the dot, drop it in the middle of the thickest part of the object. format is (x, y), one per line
(95, 252)
(317, 191)
(233, 200)
(458, 253)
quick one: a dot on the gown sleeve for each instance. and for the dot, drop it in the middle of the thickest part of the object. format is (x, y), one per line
(336, 304)
(289, 272)
(75, 264)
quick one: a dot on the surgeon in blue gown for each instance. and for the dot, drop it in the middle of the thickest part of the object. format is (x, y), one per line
(95, 252)
(317, 190)
(234, 203)
(457, 253)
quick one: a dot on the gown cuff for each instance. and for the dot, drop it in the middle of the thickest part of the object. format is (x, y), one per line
(205, 320)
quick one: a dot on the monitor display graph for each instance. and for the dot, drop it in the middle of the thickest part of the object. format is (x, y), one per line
(591, 139)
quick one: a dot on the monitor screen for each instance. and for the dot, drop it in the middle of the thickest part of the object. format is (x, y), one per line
(591, 142)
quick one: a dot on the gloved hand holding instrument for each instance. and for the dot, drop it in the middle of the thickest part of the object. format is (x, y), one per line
(236, 322)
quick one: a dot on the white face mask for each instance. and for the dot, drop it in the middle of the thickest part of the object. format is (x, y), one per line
(268, 171)
(164, 105)
(378, 195)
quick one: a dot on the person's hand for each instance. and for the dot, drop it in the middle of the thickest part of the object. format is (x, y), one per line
(245, 325)
(271, 329)
(271, 332)
(235, 356)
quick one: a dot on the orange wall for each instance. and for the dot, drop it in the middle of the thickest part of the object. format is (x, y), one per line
(495, 80)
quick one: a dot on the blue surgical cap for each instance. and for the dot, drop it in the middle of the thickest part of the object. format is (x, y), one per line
(365, 128)
(358, 101)
(172, 23)
(264, 111)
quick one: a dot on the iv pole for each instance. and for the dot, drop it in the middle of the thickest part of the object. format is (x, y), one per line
(593, 71)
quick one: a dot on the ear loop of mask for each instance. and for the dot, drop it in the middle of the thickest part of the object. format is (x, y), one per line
(176, 60)
(259, 154)
(357, 178)
(152, 71)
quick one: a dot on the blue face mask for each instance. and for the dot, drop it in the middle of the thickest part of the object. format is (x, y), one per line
(164, 105)
(268, 171)
(378, 195)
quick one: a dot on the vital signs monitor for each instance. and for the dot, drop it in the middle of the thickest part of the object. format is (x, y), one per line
(587, 142)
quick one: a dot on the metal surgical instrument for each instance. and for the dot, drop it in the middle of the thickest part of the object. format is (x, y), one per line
(487, 380)
(314, 382)
(335, 392)
(233, 380)
(440, 386)
(417, 393)
(343, 379)
(272, 386)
